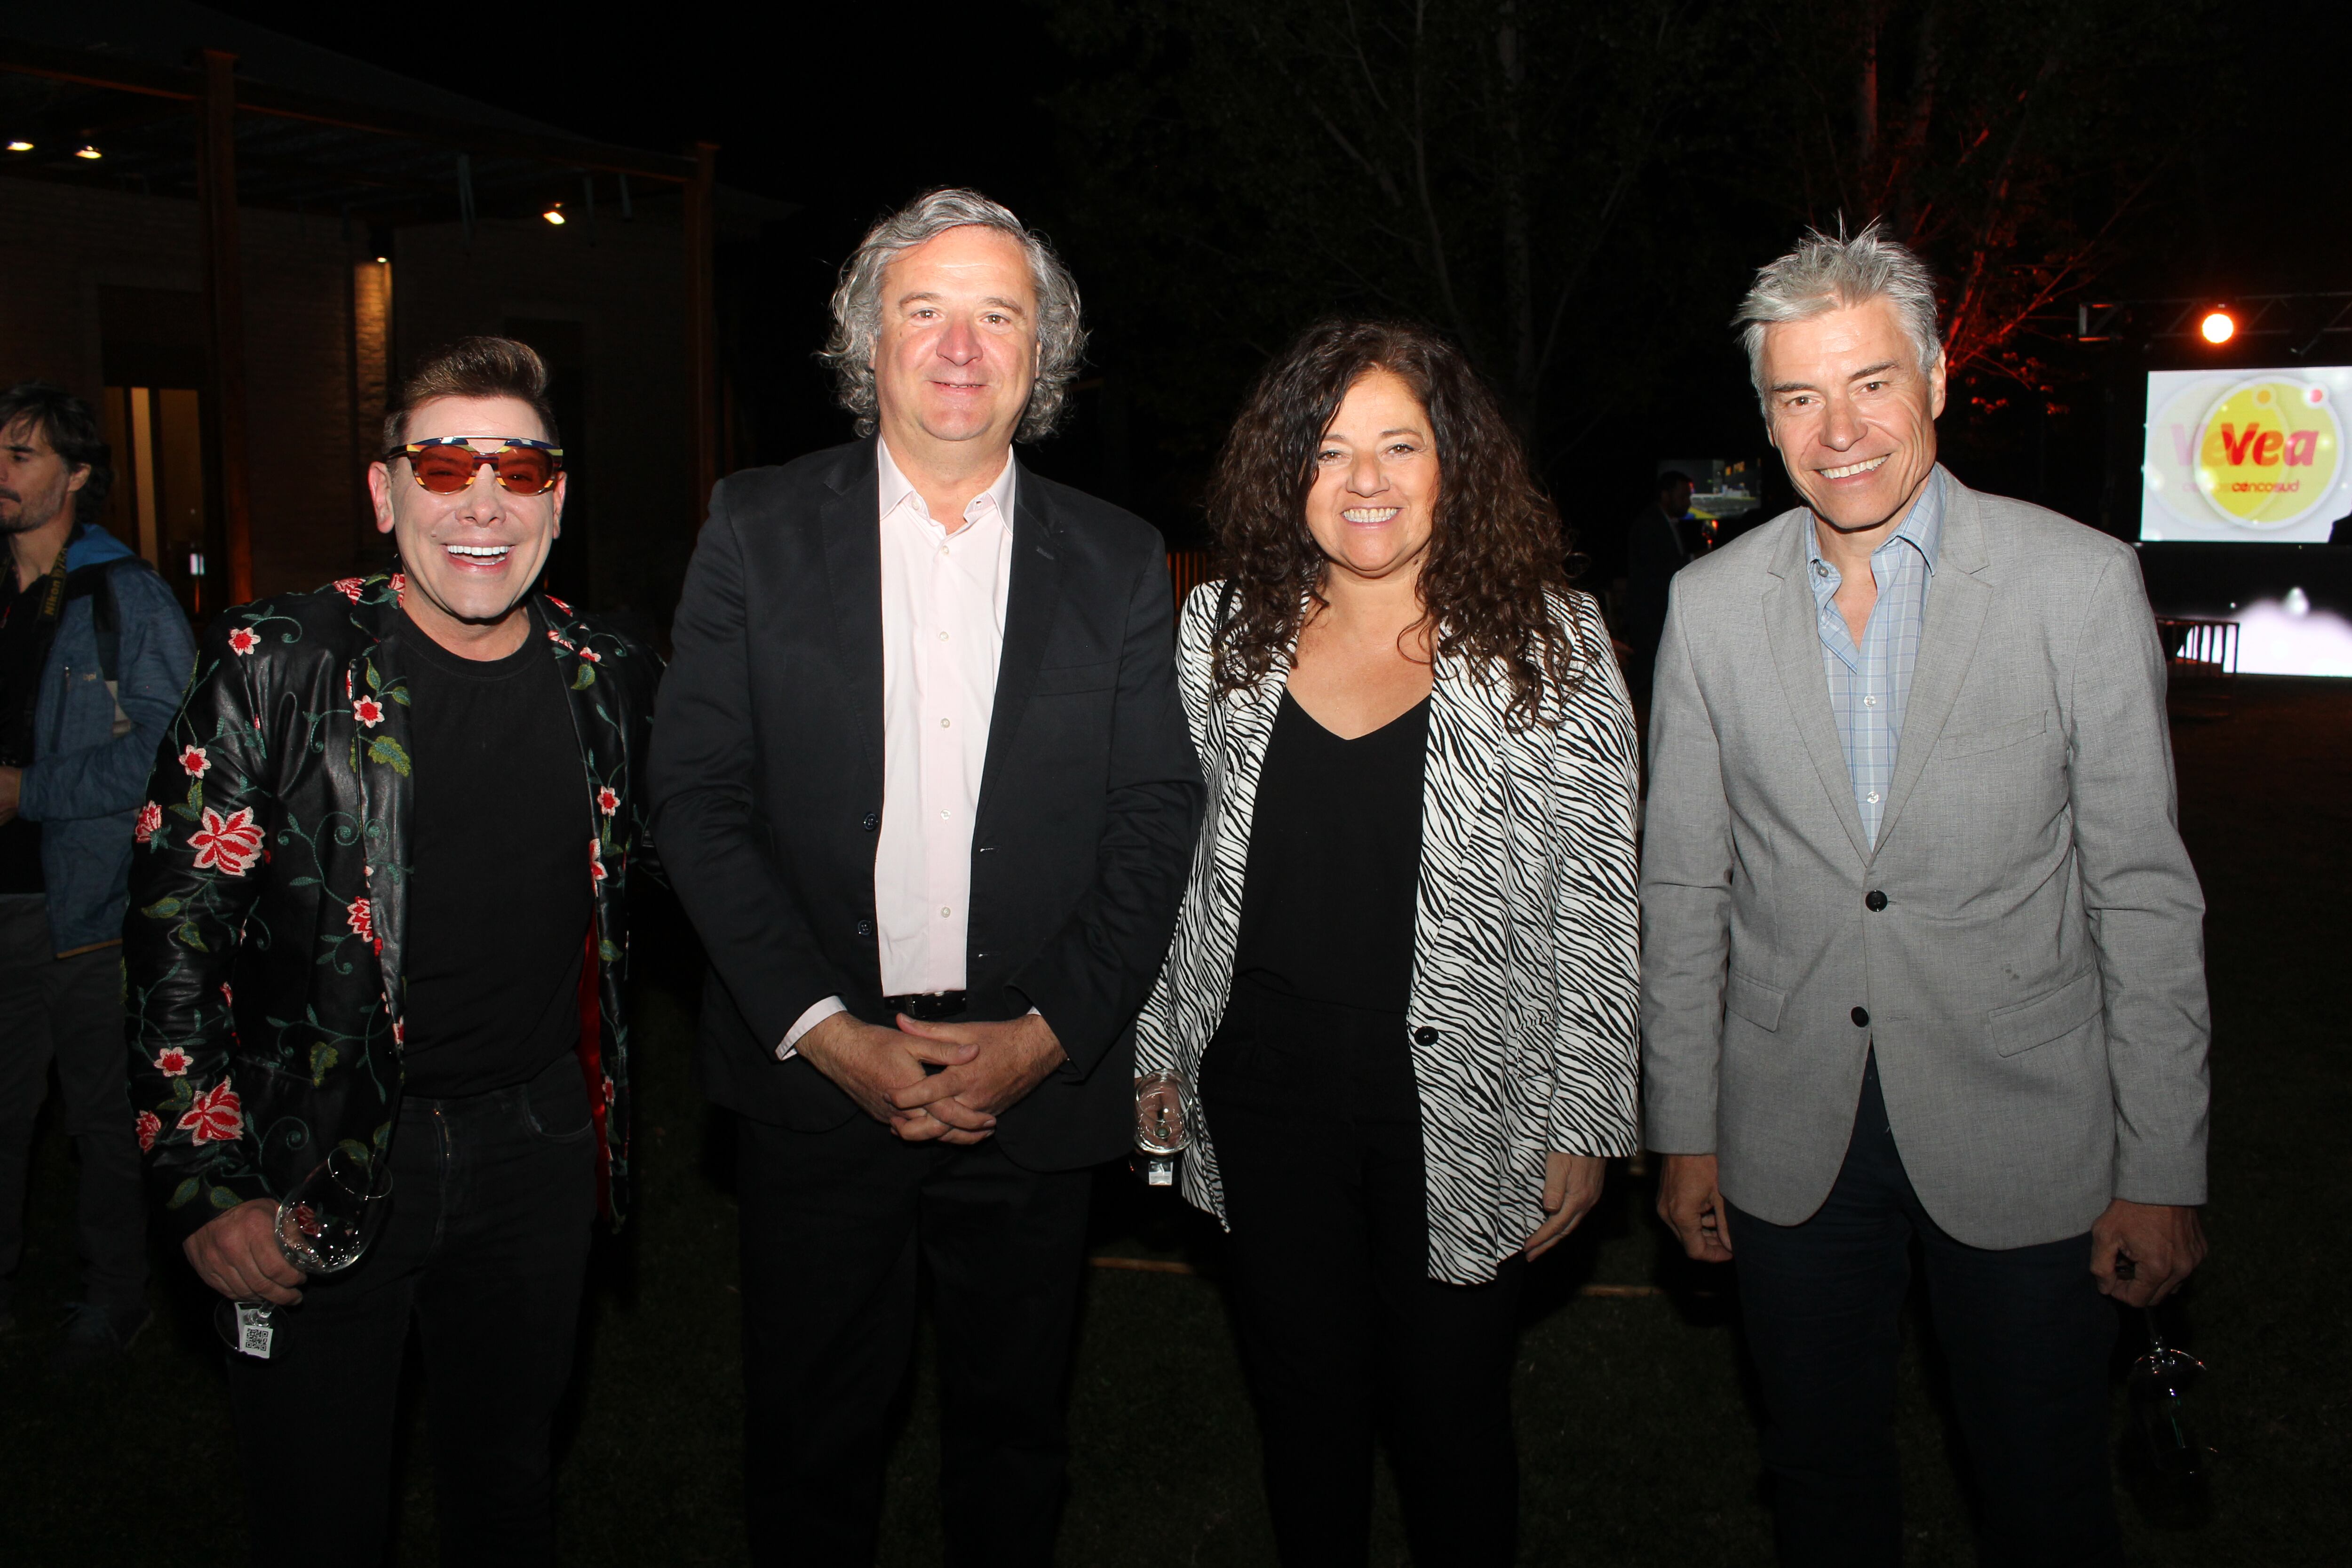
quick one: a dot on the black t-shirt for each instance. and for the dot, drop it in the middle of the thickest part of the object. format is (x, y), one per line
(1328, 901)
(498, 898)
(23, 650)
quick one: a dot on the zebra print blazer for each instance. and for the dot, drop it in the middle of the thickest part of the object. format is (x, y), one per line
(1526, 965)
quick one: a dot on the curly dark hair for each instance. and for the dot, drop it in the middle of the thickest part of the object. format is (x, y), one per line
(1498, 547)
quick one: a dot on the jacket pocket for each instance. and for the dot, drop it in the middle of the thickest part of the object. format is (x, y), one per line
(1967, 743)
(1062, 679)
(1753, 1000)
(2046, 1017)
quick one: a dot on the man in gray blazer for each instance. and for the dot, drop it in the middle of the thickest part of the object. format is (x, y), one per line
(1923, 952)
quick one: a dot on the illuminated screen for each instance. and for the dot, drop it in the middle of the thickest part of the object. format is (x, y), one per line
(1720, 487)
(2246, 456)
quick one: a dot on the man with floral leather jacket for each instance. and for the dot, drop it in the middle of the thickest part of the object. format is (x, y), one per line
(382, 908)
(94, 655)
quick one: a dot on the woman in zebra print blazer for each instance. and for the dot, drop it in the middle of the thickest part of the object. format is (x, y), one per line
(1398, 1012)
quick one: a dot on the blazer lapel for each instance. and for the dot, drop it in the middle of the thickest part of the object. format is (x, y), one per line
(850, 525)
(1032, 601)
(383, 753)
(1958, 600)
(1791, 624)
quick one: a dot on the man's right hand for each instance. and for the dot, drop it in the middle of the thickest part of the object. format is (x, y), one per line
(1691, 1202)
(870, 1064)
(238, 1256)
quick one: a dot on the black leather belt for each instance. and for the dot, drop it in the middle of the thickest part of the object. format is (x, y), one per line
(928, 1006)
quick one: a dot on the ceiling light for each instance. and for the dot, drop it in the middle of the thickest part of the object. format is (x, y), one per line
(555, 214)
(382, 260)
(2218, 327)
(88, 151)
(20, 145)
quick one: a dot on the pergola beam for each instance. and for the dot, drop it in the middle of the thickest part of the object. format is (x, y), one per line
(260, 98)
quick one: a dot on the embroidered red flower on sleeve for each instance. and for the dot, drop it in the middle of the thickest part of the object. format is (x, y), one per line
(595, 860)
(229, 843)
(400, 1031)
(193, 761)
(367, 710)
(400, 581)
(150, 1126)
(589, 656)
(606, 801)
(349, 588)
(361, 915)
(243, 641)
(217, 1117)
(151, 817)
(172, 1062)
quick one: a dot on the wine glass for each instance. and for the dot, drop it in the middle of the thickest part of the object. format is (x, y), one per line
(324, 1227)
(1161, 1135)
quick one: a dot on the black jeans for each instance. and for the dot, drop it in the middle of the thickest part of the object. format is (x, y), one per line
(2024, 1329)
(836, 1229)
(484, 1251)
(1316, 1125)
(72, 1009)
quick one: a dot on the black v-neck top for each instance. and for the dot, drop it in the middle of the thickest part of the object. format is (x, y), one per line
(1329, 899)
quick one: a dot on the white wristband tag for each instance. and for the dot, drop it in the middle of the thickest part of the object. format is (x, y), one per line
(253, 1330)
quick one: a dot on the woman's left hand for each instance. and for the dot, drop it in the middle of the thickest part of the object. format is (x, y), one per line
(1572, 1187)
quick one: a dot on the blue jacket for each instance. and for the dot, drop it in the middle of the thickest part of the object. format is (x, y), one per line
(87, 782)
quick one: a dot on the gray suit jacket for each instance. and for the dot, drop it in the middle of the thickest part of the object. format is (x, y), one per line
(2034, 986)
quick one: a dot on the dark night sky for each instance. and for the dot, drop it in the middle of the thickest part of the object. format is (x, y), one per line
(850, 109)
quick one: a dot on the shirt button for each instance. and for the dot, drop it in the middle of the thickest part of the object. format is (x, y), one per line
(1870, 702)
(945, 722)
(1872, 797)
(866, 927)
(943, 637)
(1424, 1035)
(870, 821)
(944, 911)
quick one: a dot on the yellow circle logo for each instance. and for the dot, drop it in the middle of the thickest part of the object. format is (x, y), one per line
(2267, 452)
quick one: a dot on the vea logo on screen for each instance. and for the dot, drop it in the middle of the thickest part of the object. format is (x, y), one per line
(2251, 456)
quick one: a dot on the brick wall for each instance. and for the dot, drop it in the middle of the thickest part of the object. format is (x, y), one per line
(65, 242)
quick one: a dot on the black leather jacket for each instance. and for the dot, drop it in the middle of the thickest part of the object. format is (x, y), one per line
(268, 910)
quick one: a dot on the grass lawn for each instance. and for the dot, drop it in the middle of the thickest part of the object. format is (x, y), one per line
(1636, 1429)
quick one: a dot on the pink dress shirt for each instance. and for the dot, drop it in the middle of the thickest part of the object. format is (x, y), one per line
(944, 597)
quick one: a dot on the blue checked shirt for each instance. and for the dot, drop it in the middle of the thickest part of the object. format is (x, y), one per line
(1870, 685)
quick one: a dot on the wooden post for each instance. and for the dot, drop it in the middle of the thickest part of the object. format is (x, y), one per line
(225, 313)
(702, 353)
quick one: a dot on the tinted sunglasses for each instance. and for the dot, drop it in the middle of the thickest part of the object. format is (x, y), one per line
(445, 464)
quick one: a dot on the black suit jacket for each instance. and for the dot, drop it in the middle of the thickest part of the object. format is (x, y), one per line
(766, 779)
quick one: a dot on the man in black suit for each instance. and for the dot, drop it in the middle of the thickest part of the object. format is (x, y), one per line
(921, 778)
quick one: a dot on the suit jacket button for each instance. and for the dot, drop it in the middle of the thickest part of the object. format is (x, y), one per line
(1424, 1035)
(866, 927)
(870, 821)
(1861, 1017)
(1875, 900)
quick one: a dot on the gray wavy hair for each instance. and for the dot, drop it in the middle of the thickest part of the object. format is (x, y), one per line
(1831, 272)
(858, 305)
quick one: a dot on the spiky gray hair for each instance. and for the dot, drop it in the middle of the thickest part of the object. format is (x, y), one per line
(1829, 272)
(858, 305)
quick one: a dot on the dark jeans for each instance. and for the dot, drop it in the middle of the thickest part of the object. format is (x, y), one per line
(484, 1251)
(837, 1227)
(2024, 1329)
(1317, 1131)
(72, 1009)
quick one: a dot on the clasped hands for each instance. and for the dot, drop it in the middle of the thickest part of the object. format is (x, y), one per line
(984, 1070)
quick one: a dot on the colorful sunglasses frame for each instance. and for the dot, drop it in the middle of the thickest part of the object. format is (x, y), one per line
(506, 444)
